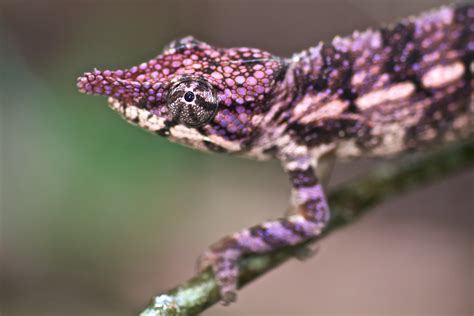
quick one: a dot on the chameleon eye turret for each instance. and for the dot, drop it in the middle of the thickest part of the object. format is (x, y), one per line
(193, 103)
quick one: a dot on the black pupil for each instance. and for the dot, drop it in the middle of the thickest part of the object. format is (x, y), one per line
(189, 96)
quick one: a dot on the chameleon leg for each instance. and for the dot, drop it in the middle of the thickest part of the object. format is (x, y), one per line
(310, 217)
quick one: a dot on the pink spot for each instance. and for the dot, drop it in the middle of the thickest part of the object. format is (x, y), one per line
(187, 62)
(268, 71)
(143, 66)
(259, 89)
(217, 75)
(176, 64)
(157, 66)
(166, 71)
(243, 117)
(229, 82)
(228, 69)
(197, 66)
(241, 91)
(259, 74)
(251, 81)
(134, 69)
(240, 79)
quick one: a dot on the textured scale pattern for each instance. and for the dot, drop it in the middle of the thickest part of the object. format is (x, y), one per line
(375, 93)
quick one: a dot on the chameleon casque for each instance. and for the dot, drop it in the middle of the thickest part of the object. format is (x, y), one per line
(374, 93)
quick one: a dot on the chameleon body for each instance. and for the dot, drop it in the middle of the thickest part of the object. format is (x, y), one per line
(374, 93)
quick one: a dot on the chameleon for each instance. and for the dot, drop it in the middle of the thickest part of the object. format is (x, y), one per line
(377, 93)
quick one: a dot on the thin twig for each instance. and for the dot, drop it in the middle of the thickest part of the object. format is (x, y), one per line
(348, 203)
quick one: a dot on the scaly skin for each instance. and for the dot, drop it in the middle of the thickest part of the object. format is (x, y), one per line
(374, 93)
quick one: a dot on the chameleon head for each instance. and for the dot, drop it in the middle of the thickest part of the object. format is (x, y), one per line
(195, 94)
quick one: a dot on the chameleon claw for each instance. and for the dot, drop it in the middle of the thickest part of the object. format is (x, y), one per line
(305, 252)
(204, 261)
(228, 298)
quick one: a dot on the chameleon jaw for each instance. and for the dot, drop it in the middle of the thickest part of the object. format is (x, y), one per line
(137, 116)
(177, 133)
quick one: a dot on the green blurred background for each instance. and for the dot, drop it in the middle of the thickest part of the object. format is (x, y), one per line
(98, 215)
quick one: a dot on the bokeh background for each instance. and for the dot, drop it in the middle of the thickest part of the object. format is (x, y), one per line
(97, 215)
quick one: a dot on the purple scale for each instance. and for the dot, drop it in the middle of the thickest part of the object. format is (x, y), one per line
(229, 82)
(240, 79)
(259, 89)
(243, 117)
(232, 128)
(259, 74)
(251, 81)
(242, 91)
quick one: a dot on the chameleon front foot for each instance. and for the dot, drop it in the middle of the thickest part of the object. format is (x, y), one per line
(224, 266)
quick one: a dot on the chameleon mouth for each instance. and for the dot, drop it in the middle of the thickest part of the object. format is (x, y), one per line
(136, 115)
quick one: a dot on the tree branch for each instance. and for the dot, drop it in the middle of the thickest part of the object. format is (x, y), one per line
(347, 203)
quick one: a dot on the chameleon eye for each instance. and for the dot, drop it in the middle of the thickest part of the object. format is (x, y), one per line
(189, 96)
(192, 102)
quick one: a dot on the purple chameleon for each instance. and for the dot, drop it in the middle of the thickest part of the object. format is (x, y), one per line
(374, 93)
